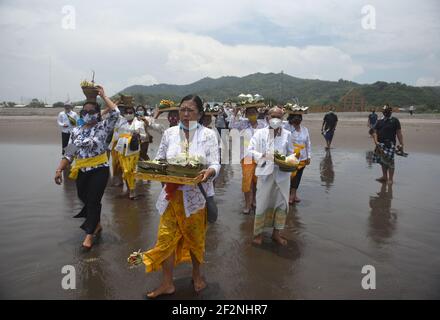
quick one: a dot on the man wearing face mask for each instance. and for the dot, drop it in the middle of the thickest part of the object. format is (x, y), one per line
(384, 136)
(131, 133)
(273, 184)
(88, 148)
(247, 127)
(303, 150)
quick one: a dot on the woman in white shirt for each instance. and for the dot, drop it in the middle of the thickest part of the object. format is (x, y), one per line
(303, 150)
(149, 123)
(273, 184)
(247, 127)
(182, 226)
(131, 132)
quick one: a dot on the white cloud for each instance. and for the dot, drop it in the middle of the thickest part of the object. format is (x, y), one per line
(134, 42)
(176, 57)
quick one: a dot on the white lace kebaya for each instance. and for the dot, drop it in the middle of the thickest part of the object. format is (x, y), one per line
(203, 143)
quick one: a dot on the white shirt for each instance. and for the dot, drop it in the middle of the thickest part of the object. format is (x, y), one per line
(203, 143)
(262, 143)
(63, 120)
(153, 125)
(301, 137)
(124, 127)
(246, 130)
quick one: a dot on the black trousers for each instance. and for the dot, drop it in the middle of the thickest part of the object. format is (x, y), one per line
(64, 140)
(144, 151)
(90, 186)
(294, 182)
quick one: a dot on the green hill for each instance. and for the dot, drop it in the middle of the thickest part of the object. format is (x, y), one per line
(281, 88)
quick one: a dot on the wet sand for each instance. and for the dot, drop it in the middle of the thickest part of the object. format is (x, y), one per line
(345, 221)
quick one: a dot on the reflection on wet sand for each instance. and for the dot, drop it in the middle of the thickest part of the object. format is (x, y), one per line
(382, 220)
(326, 170)
(323, 258)
(369, 158)
(93, 277)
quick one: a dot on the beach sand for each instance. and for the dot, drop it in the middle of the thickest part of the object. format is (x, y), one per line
(346, 220)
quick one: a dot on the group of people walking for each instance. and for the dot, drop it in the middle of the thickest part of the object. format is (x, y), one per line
(268, 191)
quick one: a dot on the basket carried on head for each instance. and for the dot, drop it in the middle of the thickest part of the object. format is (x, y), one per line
(295, 109)
(90, 93)
(256, 105)
(167, 105)
(90, 90)
(126, 100)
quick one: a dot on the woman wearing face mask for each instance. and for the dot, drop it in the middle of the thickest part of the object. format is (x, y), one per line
(182, 226)
(87, 146)
(302, 148)
(131, 132)
(149, 123)
(247, 127)
(273, 184)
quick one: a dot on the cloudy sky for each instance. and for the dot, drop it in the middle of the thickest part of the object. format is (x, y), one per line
(48, 47)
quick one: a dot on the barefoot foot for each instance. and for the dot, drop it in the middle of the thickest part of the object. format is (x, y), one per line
(88, 242)
(199, 284)
(164, 289)
(279, 239)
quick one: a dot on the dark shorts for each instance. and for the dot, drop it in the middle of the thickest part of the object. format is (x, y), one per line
(384, 155)
(329, 135)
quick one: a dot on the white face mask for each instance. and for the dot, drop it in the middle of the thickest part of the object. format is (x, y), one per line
(89, 119)
(129, 117)
(275, 123)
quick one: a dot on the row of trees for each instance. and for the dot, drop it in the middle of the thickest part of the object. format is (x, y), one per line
(35, 103)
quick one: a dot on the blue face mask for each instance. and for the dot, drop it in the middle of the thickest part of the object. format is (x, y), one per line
(192, 127)
(88, 119)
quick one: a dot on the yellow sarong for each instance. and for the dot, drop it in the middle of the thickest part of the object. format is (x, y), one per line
(178, 235)
(128, 164)
(85, 163)
(248, 167)
(297, 150)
